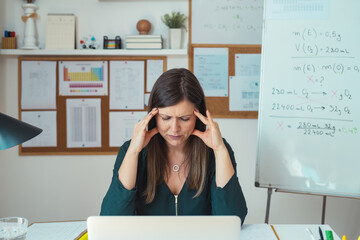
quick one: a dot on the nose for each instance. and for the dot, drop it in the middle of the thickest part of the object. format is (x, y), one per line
(175, 125)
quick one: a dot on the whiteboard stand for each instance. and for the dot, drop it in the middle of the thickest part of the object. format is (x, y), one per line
(269, 193)
(267, 214)
(323, 210)
(323, 203)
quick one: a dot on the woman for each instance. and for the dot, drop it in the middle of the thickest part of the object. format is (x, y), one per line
(176, 163)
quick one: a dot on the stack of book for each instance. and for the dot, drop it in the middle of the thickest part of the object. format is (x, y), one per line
(143, 42)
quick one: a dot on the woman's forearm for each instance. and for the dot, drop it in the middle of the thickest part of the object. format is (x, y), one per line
(224, 169)
(128, 169)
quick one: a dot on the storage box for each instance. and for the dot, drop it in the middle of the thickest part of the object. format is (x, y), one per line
(8, 42)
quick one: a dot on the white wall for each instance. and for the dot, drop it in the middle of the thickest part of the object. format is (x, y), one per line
(43, 188)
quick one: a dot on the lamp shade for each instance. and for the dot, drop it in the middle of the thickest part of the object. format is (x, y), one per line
(14, 132)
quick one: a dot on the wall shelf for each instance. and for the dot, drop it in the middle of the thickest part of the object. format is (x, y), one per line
(96, 52)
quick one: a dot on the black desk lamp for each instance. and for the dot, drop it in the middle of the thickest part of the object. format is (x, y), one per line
(14, 132)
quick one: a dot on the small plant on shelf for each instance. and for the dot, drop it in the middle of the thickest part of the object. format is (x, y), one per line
(175, 20)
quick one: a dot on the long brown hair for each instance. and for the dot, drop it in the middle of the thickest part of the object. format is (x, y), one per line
(172, 87)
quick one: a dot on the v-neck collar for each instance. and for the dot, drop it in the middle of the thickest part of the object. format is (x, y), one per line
(168, 189)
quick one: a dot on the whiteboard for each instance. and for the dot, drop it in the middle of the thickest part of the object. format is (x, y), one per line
(226, 22)
(309, 118)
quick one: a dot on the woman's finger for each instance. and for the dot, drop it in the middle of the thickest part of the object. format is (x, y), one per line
(201, 117)
(209, 116)
(141, 137)
(149, 116)
(211, 121)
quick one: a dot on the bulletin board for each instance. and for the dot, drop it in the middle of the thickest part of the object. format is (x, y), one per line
(232, 25)
(61, 147)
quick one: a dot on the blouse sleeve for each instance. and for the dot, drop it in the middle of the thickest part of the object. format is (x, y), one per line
(230, 199)
(119, 200)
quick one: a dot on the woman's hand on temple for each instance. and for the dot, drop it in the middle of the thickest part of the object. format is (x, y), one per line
(141, 136)
(212, 138)
(212, 135)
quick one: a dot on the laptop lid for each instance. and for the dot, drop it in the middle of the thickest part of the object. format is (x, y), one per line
(163, 227)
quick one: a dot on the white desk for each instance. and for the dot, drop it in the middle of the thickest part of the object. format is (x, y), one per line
(284, 232)
(57, 230)
(257, 232)
(298, 231)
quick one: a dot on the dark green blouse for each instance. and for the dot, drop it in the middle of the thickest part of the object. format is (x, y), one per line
(213, 200)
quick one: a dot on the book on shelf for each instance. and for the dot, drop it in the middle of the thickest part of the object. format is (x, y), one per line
(143, 38)
(143, 45)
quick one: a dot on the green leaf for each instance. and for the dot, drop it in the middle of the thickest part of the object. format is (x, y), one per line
(175, 20)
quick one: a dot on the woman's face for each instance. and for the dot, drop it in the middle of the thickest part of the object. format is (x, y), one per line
(176, 123)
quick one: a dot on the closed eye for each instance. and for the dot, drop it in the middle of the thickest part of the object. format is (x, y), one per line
(185, 119)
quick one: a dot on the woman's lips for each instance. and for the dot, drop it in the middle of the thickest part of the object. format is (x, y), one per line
(174, 137)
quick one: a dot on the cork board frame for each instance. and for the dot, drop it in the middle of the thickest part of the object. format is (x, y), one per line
(61, 148)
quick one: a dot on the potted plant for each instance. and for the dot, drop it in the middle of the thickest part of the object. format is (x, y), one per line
(175, 21)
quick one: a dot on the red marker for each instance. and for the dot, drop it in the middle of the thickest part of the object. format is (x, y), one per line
(12, 34)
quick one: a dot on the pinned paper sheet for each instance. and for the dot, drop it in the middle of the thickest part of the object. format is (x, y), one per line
(122, 126)
(146, 100)
(46, 120)
(247, 65)
(154, 68)
(86, 78)
(38, 84)
(127, 80)
(83, 121)
(211, 69)
(244, 87)
(244, 93)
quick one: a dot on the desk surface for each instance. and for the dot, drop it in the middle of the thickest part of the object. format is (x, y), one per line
(257, 232)
(248, 231)
(298, 231)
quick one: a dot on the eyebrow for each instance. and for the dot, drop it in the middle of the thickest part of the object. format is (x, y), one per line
(164, 115)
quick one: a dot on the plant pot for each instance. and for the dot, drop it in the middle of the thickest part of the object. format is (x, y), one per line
(175, 38)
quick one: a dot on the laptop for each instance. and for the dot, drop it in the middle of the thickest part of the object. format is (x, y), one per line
(163, 227)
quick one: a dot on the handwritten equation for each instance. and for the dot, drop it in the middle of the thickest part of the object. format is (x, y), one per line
(227, 22)
(323, 65)
(311, 128)
(336, 68)
(225, 27)
(332, 101)
(308, 34)
(313, 43)
(236, 13)
(340, 95)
